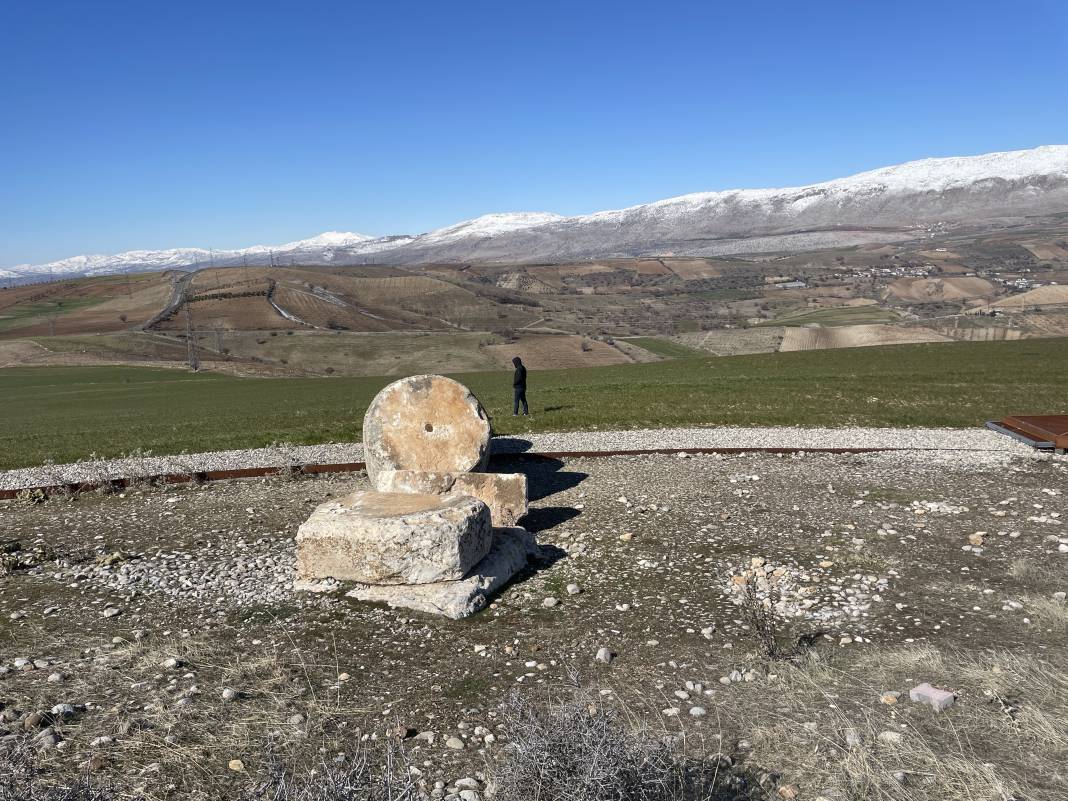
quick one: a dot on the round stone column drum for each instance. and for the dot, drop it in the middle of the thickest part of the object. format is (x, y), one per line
(428, 423)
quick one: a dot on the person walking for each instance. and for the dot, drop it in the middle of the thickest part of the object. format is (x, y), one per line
(519, 387)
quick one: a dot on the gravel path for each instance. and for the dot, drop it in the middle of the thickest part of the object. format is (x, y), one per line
(971, 446)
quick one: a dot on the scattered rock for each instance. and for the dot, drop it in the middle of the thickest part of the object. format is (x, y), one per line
(926, 694)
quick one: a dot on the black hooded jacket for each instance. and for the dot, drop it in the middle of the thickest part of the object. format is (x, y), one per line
(519, 380)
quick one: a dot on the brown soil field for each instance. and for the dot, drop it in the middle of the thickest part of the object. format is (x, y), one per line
(855, 336)
(933, 290)
(21, 353)
(230, 314)
(988, 333)
(336, 299)
(325, 311)
(735, 342)
(83, 306)
(126, 348)
(102, 288)
(549, 276)
(695, 269)
(1045, 323)
(649, 266)
(1047, 251)
(352, 353)
(1042, 296)
(583, 269)
(540, 352)
(821, 297)
(936, 255)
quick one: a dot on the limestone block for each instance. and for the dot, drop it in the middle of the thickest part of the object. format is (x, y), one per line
(512, 549)
(504, 493)
(926, 694)
(386, 538)
(425, 422)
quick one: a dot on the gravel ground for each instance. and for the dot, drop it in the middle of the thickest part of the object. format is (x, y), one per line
(973, 445)
(166, 616)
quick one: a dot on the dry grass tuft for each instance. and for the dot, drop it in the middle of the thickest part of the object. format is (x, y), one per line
(581, 750)
(379, 774)
(20, 779)
(1007, 732)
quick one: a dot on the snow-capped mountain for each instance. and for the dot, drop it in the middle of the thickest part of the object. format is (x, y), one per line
(317, 250)
(490, 225)
(892, 203)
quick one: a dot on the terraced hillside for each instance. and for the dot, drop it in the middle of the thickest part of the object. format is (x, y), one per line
(93, 305)
(855, 336)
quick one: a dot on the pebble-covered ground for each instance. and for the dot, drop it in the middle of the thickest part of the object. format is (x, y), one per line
(154, 636)
(948, 440)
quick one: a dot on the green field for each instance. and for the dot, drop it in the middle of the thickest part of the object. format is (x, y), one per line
(66, 413)
(666, 348)
(839, 315)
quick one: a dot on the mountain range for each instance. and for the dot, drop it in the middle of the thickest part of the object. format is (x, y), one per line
(888, 204)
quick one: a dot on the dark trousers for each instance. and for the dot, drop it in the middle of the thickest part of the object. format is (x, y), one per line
(520, 397)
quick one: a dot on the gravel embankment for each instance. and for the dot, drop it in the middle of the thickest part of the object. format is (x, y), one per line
(963, 445)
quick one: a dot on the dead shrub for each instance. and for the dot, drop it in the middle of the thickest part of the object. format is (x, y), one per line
(765, 626)
(583, 751)
(21, 779)
(370, 774)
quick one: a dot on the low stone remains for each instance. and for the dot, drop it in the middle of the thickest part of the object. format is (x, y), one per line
(925, 693)
(433, 535)
(512, 549)
(390, 538)
(504, 493)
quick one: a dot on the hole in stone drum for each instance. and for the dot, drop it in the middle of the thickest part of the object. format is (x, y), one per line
(428, 427)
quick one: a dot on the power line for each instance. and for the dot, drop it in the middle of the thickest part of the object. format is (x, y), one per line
(192, 351)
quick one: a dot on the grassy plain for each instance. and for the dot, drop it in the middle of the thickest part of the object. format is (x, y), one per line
(67, 413)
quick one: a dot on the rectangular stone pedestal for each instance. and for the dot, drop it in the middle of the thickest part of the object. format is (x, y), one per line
(394, 538)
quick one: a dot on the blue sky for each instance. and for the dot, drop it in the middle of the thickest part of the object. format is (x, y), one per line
(223, 124)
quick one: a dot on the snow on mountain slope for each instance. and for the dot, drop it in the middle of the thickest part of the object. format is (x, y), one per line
(319, 247)
(329, 239)
(491, 225)
(879, 205)
(937, 175)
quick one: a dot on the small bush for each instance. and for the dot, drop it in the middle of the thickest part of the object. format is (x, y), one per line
(582, 751)
(367, 775)
(20, 780)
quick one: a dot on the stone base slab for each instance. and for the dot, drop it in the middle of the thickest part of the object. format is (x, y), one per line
(511, 551)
